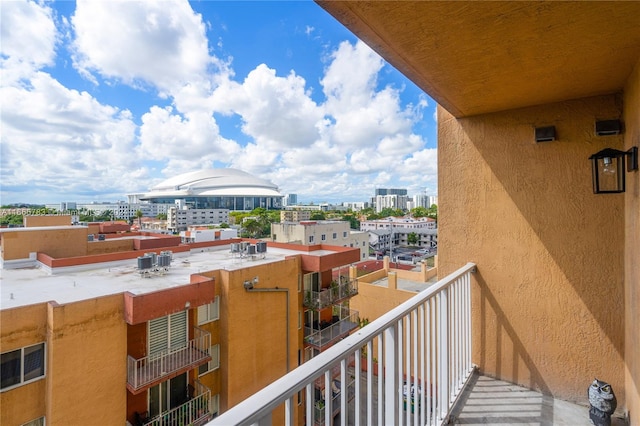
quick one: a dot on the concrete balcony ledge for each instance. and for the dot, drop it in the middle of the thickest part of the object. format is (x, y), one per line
(487, 401)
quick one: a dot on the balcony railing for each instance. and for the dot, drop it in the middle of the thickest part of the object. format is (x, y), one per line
(346, 321)
(196, 411)
(423, 359)
(331, 295)
(145, 372)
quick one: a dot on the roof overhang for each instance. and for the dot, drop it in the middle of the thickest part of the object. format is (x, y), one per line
(476, 57)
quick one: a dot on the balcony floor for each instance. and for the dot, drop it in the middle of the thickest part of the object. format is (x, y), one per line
(488, 401)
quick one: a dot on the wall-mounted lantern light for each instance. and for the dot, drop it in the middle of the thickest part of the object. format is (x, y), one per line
(545, 134)
(609, 169)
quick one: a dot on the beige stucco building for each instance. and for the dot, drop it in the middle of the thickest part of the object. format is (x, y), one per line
(556, 299)
(92, 334)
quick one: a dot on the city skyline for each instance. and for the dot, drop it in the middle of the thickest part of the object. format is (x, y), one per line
(109, 99)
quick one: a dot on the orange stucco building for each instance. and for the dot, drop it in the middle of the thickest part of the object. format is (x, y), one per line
(556, 299)
(101, 338)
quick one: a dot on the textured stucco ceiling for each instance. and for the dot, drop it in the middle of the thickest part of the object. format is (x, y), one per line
(478, 57)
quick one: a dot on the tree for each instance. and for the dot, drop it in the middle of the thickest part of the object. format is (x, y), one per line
(412, 238)
(353, 222)
(387, 211)
(105, 215)
(138, 215)
(433, 212)
(318, 216)
(11, 219)
(252, 227)
(420, 212)
(161, 216)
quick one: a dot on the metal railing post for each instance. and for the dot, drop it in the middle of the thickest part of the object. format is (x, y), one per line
(443, 354)
(390, 375)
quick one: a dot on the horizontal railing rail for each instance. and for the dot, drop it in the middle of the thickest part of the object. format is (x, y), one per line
(328, 296)
(320, 338)
(195, 411)
(408, 368)
(143, 371)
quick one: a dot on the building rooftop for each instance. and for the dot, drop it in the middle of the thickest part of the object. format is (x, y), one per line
(27, 286)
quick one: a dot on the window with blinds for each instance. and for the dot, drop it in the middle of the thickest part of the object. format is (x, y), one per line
(168, 332)
(209, 312)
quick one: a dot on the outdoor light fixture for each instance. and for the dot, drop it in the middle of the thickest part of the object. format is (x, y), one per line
(608, 127)
(609, 170)
(545, 134)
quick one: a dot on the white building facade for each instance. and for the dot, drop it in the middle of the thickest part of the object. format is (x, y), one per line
(330, 232)
(399, 223)
(180, 219)
(392, 201)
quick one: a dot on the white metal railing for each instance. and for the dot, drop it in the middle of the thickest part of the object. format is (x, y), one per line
(196, 411)
(143, 371)
(330, 295)
(346, 321)
(422, 352)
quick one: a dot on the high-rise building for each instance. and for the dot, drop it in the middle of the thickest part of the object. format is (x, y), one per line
(290, 200)
(390, 191)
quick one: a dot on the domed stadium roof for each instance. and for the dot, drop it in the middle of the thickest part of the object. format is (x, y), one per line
(213, 183)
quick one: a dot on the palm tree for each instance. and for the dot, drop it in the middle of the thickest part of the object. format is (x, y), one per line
(139, 215)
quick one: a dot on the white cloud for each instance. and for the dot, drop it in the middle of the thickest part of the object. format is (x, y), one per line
(28, 36)
(53, 137)
(62, 140)
(276, 111)
(162, 44)
(193, 136)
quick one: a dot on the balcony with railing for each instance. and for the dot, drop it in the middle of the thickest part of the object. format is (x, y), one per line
(329, 296)
(407, 367)
(148, 371)
(196, 411)
(327, 333)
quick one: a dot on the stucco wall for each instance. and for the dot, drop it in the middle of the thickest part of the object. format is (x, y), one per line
(113, 246)
(548, 297)
(252, 329)
(87, 362)
(632, 250)
(56, 243)
(373, 301)
(24, 326)
(47, 220)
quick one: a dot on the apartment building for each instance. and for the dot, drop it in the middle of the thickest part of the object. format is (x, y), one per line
(330, 232)
(179, 219)
(398, 223)
(294, 215)
(142, 329)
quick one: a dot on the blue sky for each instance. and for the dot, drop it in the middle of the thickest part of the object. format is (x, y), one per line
(104, 99)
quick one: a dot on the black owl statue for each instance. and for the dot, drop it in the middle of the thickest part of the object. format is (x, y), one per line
(603, 403)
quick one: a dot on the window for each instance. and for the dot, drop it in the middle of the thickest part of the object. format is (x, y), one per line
(344, 234)
(311, 239)
(36, 422)
(22, 366)
(214, 364)
(210, 312)
(215, 405)
(324, 237)
(335, 235)
(168, 332)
